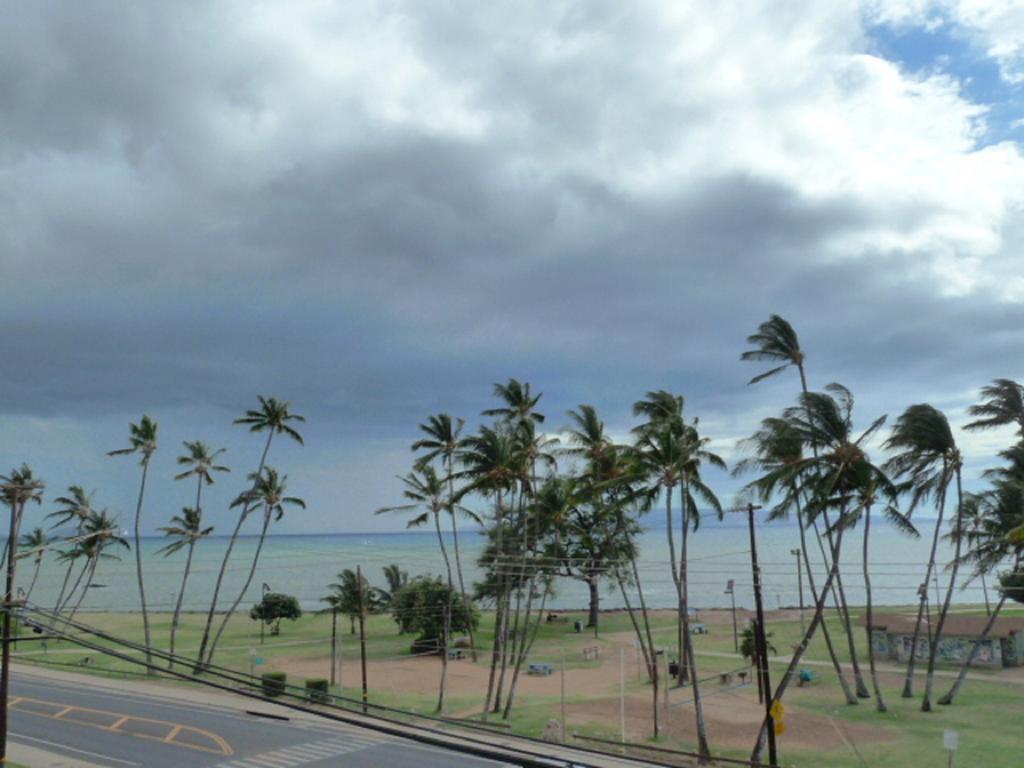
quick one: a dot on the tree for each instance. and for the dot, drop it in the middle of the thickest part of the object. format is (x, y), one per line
(395, 578)
(142, 441)
(925, 463)
(273, 417)
(17, 488)
(273, 608)
(268, 492)
(748, 642)
(101, 534)
(344, 597)
(423, 604)
(34, 544)
(776, 342)
(776, 447)
(184, 531)
(77, 507)
(444, 441)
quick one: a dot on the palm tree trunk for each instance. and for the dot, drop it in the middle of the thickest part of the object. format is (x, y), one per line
(908, 682)
(447, 622)
(641, 640)
(224, 564)
(63, 587)
(847, 693)
(879, 701)
(245, 587)
(181, 596)
(675, 576)
(88, 582)
(798, 654)
(138, 564)
(702, 735)
(74, 587)
(458, 558)
(498, 603)
(524, 648)
(951, 694)
(506, 650)
(35, 575)
(926, 702)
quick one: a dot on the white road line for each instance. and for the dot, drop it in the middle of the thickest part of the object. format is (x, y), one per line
(302, 754)
(19, 737)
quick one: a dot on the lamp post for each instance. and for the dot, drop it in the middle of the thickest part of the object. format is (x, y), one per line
(800, 586)
(731, 592)
(263, 624)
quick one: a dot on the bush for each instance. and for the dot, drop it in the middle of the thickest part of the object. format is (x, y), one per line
(274, 683)
(316, 690)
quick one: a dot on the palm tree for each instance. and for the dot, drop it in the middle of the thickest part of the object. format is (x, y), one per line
(396, 579)
(492, 467)
(426, 491)
(348, 595)
(77, 507)
(1002, 403)
(832, 477)
(185, 530)
(519, 403)
(925, 463)
(444, 441)
(777, 342)
(776, 447)
(35, 544)
(201, 463)
(141, 440)
(101, 533)
(268, 492)
(17, 488)
(993, 525)
(273, 417)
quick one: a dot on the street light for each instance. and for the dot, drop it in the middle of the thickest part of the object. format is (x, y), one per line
(800, 585)
(729, 590)
(263, 624)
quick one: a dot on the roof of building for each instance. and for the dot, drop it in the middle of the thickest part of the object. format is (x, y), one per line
(957, 624)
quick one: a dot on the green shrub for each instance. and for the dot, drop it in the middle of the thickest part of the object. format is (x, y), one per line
(316, 690)
(274, 683)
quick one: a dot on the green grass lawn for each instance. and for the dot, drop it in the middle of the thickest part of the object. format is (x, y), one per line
(986, 713)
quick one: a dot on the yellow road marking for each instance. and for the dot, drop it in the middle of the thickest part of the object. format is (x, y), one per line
(119, 719)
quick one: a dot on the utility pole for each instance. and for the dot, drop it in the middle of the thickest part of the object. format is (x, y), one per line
(362, 632)
(564, 739)
(17, 506)
(759, 634)
(622, 697)
(334, 644)
(730, 590)
(800, 586)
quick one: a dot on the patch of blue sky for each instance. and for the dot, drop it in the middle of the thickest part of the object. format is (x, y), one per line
(942, 48)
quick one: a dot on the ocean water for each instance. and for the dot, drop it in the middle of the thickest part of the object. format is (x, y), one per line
(304, 566)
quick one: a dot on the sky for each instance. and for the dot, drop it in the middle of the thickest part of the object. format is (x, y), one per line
(378, 210)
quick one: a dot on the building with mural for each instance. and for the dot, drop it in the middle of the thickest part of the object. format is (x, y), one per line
(892, 637)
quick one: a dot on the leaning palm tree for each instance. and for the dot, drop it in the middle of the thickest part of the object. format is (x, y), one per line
(101, 533)
(924, 463)
(77, 507)
(17, 489)
(444, 441)
(268, 492)
(34, 544)
(273, 417)
(184, 531)
(426, 491)
(994, 533)
(1002, 403)
(776, 342)
(201, 463)
(142, 441)
(832, 477)
(776, 446)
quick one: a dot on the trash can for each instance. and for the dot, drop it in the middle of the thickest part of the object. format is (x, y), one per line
(577, 626)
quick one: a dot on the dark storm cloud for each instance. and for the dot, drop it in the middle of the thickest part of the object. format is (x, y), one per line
(155, 260)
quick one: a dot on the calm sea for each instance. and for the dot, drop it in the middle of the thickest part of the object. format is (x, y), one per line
(304, 566)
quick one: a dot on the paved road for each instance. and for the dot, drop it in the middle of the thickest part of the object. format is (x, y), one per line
(128, 729)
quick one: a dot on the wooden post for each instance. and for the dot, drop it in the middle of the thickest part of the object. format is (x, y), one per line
(622, 697)
(362, 632)
(759, 634)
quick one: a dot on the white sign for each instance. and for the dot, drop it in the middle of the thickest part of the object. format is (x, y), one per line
(950, 740)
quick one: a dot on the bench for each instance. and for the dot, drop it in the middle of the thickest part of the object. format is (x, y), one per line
(698, 629)
(725, 678)
(539, 669)
(456, 653)
(592, 653)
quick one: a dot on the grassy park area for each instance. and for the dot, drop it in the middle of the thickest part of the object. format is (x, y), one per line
(817, 721)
